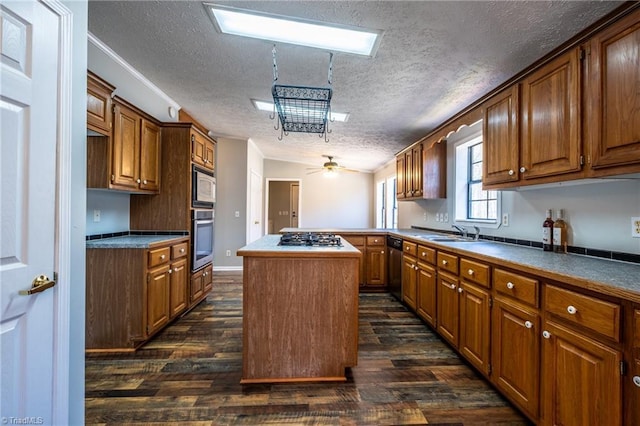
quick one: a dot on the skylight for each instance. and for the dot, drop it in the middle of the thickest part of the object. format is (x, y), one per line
(285, 29)
(268, 106)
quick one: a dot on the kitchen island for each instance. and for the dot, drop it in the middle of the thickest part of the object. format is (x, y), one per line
(300, 311)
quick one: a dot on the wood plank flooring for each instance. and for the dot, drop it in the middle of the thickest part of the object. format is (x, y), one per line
(189, 374)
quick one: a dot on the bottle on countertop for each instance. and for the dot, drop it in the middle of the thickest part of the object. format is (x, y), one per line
(560, 233)
(547, 233)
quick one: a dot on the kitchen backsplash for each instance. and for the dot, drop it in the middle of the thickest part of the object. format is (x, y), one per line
(113, 208)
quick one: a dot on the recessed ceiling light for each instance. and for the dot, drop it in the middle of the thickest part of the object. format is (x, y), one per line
(303, 32)
(268, 106)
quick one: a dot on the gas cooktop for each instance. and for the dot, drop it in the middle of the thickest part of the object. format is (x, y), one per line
(319, 239)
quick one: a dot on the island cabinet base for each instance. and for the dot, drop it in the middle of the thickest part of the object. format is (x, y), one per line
(300, 318)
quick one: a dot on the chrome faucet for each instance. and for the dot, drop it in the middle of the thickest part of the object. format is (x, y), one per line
(460, 229)
(476, 237)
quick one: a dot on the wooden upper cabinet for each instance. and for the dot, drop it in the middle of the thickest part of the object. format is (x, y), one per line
(202, 150)
(434, 170)
(416, 170)
(150, 156)
(400, 176)
(501, 146)
(125, 148)
(613, 97)
(99, 114)
(551, 142)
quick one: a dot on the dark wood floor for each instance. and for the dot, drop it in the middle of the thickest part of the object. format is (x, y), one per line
(190, 373)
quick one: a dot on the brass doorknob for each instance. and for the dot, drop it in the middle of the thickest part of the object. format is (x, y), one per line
(39, 284)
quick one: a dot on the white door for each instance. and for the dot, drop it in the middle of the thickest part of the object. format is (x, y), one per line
(294, 200)
(29, 115)
(255, 208)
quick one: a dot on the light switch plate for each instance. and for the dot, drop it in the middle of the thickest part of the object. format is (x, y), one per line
(505, 219)
(96, 215)
(635, 227)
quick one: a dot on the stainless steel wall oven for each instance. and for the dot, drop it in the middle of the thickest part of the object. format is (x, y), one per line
(202, 238)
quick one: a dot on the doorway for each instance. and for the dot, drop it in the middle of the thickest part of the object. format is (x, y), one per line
(283, 204)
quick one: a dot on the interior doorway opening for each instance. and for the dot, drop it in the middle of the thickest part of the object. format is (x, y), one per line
(283, 204)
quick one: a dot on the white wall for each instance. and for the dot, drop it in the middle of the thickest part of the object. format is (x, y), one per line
(114, 211)
(345, 201)
(599, 214)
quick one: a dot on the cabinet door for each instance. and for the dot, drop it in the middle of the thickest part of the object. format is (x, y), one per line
(613, 123)
(408, 174)
(207, 279)
(196, 288)
(158, 287)
(434, 170)
(551, 141)
(448, 308)
(474, 325)
(99, 113)
(515, 354)
(376, 266)
(501, 144)
(416, 171)
(400, 177)
(426, 298)
(209, 154)
(125, 149)
(150, 157)
(581, 382)
(409, 281)
(178, 292)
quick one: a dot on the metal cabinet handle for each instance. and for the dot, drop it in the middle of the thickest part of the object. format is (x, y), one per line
(459, 289)
(416, 268)
(523, 169)
(528, 324)
(181, 250)
(170, 270)
(636, 381)
(444, 262)
(470, 272)
(546, 334)
(453, 286)
(137, 180)
(423, 254)
(510, 285)
(511, 172)
(382, 252)
(144, 181)
(162, 256)
(572, 309)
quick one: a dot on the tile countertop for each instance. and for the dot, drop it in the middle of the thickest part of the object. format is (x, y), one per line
(133, 241)
(608, 277)
(267, 246)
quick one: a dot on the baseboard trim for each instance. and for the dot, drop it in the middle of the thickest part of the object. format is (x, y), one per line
(227, 268)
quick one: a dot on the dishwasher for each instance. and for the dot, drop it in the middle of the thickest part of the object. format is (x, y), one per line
(394, 262)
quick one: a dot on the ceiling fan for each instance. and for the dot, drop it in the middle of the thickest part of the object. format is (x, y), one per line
(330, 167)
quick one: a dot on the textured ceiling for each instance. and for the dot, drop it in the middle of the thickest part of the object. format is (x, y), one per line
(435, 58)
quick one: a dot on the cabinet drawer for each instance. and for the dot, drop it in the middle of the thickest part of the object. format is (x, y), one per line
(521, 288)
(597, 315)
(426, 254)
(158, 256)
(355, 240)
(376, 240)
(475, 272)
(179, 250)
(448, 262)
(410, 248)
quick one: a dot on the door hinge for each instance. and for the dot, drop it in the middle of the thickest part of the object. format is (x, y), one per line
(582, 54)
(489, 370)
(113, 178)
(193, 138)
(490, 302)
(623, 368)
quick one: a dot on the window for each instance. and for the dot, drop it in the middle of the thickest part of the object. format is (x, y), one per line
(472, 204)
(386, 204)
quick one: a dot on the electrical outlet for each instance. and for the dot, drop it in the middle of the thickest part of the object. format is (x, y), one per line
(425, 216)
(635, 227)
(228, 253)
(237, 214)
(505, 219)
(96, 215)
(437, 217)
(446, 217)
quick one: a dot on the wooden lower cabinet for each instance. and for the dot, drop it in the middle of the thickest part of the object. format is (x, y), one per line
(448, 309)
(373, 262)
(132, 293)
(516, 353)
(581, 382)
(201, 284)
(475, 320)
(426, 297)
(409, 280)
(376, 266)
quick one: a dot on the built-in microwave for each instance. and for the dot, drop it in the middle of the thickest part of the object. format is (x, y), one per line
(203, 188)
